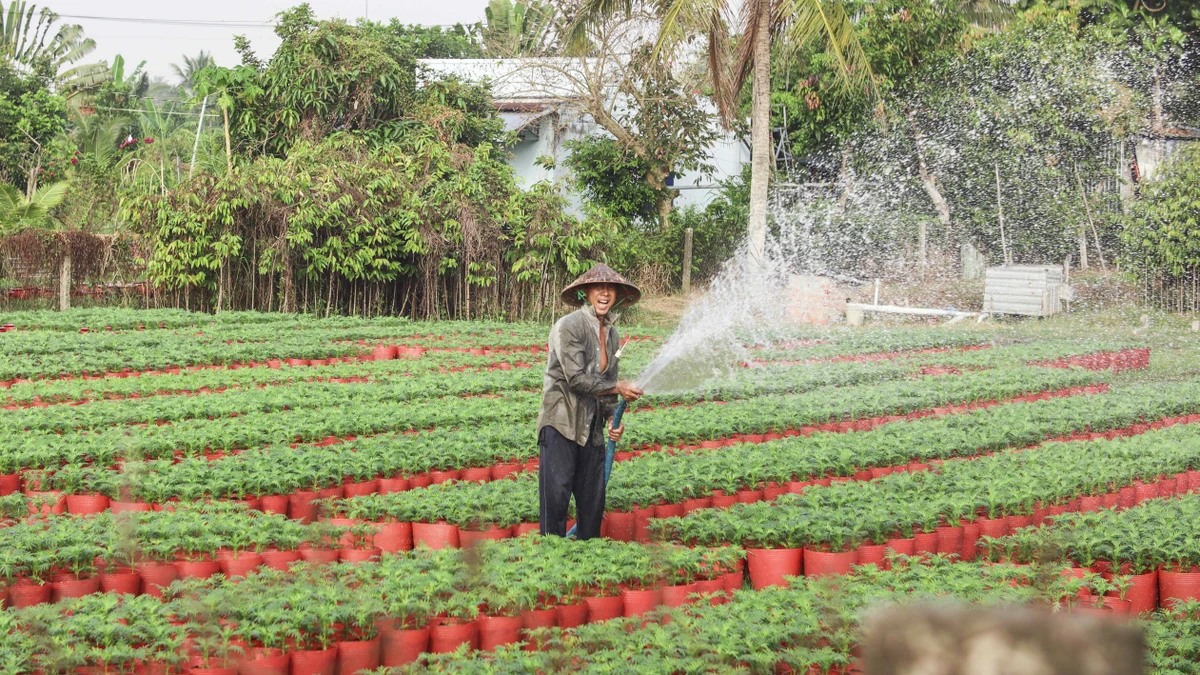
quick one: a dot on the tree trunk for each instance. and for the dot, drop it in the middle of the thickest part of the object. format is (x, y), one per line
(664, 205)
(928, 180)
(64, 280)
(760, 138)
(228, 151)
(1156, 122)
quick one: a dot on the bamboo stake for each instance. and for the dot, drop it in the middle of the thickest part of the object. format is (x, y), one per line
(1088, 210)
(1000, 210)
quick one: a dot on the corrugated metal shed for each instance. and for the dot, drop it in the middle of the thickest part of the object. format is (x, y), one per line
(1029, 290)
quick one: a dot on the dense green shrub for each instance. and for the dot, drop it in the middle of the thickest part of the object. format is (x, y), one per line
(1162, 231)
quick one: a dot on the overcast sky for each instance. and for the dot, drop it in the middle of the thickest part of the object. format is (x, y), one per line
(161, 44)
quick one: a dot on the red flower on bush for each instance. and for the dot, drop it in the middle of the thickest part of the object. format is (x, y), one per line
(149, 141)
(74, 160)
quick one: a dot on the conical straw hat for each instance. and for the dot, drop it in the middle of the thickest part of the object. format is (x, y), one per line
(627, 293)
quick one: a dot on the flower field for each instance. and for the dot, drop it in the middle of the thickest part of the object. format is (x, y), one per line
(274, 495)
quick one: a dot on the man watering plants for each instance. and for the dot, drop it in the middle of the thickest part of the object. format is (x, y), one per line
(579, 396)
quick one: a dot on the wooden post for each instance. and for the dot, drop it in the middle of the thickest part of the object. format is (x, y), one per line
(687, 261)
(64, 279)
(1000, 211)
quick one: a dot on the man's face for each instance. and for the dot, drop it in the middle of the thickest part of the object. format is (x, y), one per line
(601, 297)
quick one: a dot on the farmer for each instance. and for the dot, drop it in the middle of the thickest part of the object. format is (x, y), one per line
(579, 396)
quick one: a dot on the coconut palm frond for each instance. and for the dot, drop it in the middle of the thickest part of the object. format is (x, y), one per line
(587, 15)
(989, 14)
(46, 198)
(806, 21)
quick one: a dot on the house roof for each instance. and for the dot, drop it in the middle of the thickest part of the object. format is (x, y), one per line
(529, 80)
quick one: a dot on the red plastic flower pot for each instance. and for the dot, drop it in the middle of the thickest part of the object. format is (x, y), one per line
(949, 540)
(318, 556)
(497, 631)
(872, 554)
(823, 563)
(677, 596)
(720, 500)
(476, 474)
(259, 661)
(435, 535)
(774, 491)
(421, 480)
(395, 484)
(1177, 587)
(301, 506)
(924, 542)
(1110, 500)
(690, 505)
(314, 661)
(9, 483)
(749, 496)
(215, 670)
(156, 576)
(279, 560)
(73, 587)
(1143, 593)
(526, 528)
(621, 526)
(384, 353)
(354, 555)
(993, 527)
(357, 655)
(502, 471)
(274, 504)
(197, 569)
(439, 477)
(46, 502)
(734, 580)
(572, 616)
(970, 541)
(122, 580)
(603, 608)
(27, 594)
(712, 587)
(1145, 491)
(360, 489)
(392, 537)
(400, 646)
(768, 567)
(1017, 522)
(238, 564)
(123, 507)
(638, 602)
(468, 538)
(1127, 496)
(668, 511)
(446, 637)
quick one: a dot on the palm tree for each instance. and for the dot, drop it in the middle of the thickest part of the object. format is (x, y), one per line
(30, 46)
(756, 22)
(187, 72)
(520, 28)
(20, 212)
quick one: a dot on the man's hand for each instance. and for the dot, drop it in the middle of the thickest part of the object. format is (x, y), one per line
(614, 435)
(628, 391)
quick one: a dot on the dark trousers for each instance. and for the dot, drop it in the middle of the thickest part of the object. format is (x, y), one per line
(564, 469)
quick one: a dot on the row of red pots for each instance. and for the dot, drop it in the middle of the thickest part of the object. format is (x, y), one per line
(1118, 361)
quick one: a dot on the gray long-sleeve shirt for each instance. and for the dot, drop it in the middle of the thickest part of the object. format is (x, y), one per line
(571, 400)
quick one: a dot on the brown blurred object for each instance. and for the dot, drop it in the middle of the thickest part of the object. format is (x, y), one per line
(965, 640)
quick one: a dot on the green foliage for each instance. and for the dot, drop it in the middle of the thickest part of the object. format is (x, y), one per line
(437, 42)
(614, 178)
(18, 213)
(31, 47)
(31, 115)
(1161, 234)
(518, 28)
(717, 230)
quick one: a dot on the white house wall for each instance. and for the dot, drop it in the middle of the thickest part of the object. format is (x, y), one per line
(514, 81)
